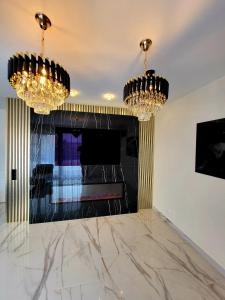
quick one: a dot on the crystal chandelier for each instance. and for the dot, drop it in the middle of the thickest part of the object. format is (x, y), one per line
(146, 94)
(41, 83)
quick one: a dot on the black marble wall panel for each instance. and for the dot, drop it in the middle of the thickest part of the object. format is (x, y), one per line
(54, 188)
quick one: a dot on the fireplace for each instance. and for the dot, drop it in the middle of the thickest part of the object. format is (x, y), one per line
(87, 192)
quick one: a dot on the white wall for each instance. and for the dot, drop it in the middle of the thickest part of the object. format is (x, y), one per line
(194, 202)
(2, 149)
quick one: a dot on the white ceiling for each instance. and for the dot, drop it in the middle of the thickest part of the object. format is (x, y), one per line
(97, 41)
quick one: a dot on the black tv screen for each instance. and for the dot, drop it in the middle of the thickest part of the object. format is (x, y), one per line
(87, 147)
(210, 148)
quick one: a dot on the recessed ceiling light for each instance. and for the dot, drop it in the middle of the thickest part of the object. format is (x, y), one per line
(74, 92)
(109, 96)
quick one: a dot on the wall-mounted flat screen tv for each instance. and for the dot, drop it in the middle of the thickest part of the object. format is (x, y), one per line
(87, 147)
(210, 148)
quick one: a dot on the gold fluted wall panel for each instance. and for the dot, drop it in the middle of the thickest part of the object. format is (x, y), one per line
(145, 175)
(18, 157)
(95, 109)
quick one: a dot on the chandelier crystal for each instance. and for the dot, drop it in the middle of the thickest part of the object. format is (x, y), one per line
(146, 94)
(41, 83)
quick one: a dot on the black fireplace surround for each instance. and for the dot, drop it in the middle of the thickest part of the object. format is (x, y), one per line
(82, 165)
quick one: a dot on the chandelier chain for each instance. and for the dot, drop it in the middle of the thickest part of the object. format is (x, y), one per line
(145, 61)
(42, 42)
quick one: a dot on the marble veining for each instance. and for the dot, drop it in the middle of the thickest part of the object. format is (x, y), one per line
(58, 190)
(2, 212)
(130, 256)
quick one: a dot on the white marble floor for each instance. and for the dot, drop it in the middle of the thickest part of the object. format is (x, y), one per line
(137, 256)
(2, 213)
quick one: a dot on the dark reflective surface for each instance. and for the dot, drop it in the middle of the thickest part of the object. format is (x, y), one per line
(62, 186)
(210, 148)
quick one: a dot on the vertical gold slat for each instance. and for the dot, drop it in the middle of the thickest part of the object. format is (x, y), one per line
(14, 158)
(27, 165)
(14, 155)
(17, 124)
(9, 160)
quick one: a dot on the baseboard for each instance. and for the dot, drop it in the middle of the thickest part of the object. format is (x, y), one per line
(209, 259)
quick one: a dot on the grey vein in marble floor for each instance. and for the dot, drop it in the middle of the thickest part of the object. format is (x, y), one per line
(2, 213)
(135, 256)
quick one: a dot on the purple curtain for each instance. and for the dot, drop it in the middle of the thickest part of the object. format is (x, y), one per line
(68, 149)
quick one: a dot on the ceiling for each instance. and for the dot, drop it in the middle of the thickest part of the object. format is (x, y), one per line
(97, 41)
